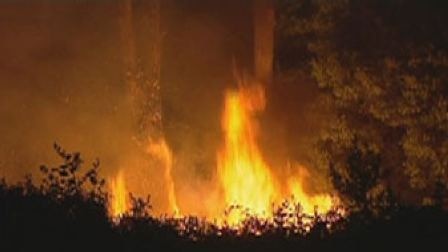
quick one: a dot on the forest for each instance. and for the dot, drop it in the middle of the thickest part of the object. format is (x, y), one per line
(356, 94)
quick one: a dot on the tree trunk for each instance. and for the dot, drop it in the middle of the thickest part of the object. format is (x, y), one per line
(143, 80)
(264, 22)
(154, 93)
(128, 42)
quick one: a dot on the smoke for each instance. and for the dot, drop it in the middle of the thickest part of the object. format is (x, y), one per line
(62, 79)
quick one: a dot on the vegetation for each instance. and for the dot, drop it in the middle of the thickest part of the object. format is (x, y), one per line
(68, 212)
(380, 68)
(380, 71)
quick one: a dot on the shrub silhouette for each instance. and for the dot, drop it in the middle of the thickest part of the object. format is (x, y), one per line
(68, 212)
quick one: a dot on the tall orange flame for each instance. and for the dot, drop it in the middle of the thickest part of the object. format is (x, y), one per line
(119, 200)
(246, 179)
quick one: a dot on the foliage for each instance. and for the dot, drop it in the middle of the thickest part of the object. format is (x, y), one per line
(360, 183)
(383, 79)
(65, 181)
(61, 216)
(68, 205)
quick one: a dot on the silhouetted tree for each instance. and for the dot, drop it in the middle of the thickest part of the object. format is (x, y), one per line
(382, 80)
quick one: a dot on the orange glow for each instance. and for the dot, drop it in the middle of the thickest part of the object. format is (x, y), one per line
(160, 150)
(119, 199)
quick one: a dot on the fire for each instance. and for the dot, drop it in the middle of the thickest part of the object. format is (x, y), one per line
(119, 199)
(160, 150)
(245, 177)
(245, 183)
(320, 203)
